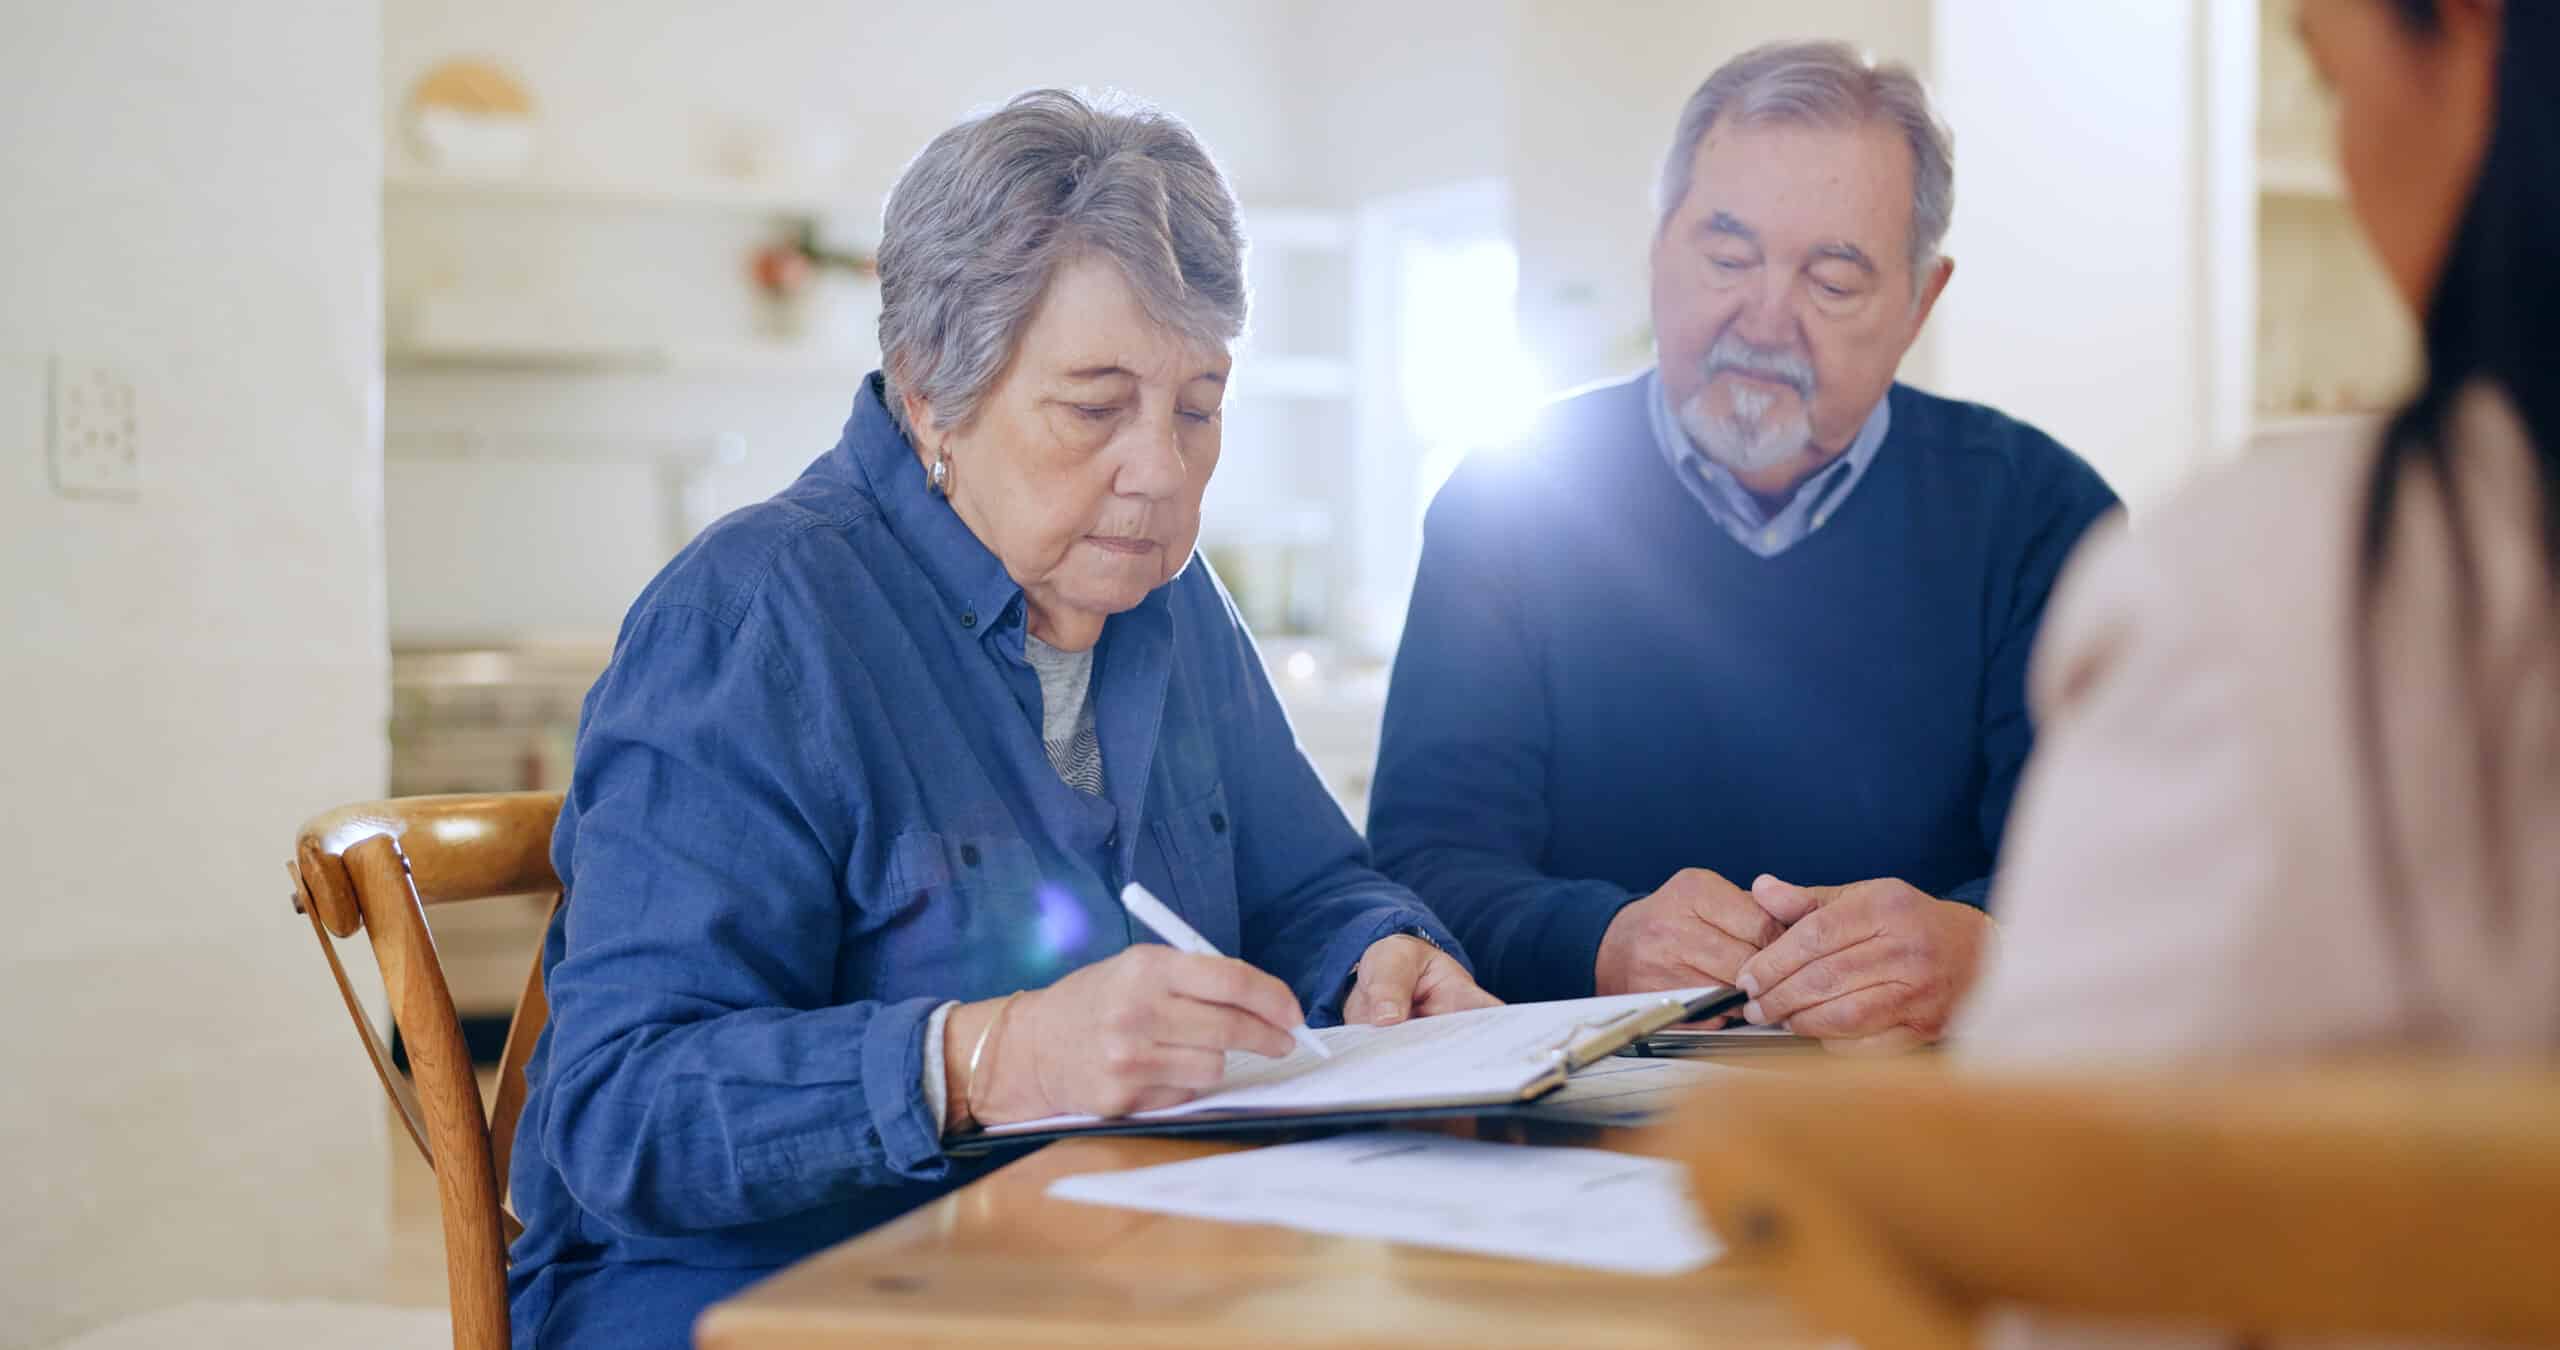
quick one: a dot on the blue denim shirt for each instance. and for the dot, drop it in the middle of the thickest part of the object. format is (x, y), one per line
(810, 803)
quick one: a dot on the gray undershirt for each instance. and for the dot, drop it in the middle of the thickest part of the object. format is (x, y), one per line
(1066, 713)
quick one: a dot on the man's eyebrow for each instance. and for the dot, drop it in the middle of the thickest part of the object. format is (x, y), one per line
(1847, 253)
(1722, 222)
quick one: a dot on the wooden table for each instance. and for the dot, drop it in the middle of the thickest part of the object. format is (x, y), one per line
(1000, 1263)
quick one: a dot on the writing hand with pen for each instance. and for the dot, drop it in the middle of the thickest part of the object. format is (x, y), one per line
(1151, 1026)
(1871, 966)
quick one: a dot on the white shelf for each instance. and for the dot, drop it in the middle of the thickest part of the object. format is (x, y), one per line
(703, 194)
(464, 445)
(776, 359)
(1275, 227)
(2299, 178)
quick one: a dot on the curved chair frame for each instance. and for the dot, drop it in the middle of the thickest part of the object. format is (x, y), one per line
(373, 868)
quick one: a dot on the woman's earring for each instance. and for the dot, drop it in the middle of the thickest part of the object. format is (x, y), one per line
(941, 475)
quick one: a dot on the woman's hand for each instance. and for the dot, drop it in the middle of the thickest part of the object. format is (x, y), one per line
(1148, 1028)
(1404, 976)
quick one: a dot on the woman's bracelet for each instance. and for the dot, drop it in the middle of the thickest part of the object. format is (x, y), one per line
(969, 1077)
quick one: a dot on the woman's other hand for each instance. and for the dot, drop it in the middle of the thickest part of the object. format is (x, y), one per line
(1150, 1027)
(1403, 977)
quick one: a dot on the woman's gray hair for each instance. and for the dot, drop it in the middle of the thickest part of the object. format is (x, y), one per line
(1830, 85)
(980, 221)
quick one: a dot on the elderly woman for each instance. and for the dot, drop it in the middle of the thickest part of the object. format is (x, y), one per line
(855, 799)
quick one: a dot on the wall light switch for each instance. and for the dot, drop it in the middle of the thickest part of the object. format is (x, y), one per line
(96, 446)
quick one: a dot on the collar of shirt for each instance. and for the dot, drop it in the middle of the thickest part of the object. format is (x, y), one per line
(977, 593)
(1732, 505)
(1132, 666)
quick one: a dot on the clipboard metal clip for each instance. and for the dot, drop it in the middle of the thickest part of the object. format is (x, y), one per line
(1590, 1042)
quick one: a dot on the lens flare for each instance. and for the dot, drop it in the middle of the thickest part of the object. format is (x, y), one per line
(1063, 926)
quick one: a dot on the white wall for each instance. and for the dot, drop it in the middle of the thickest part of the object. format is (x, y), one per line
(1596, 91)
(191, 195)
(2087, 237)
(1402, 96)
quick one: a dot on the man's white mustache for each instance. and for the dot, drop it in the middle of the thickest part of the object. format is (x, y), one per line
(1729, 356)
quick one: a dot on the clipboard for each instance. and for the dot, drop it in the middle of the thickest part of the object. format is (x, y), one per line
(1598, 1041)
(1459, 1064)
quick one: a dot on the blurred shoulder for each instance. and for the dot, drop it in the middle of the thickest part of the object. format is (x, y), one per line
(2256, 563)
(2249, 563)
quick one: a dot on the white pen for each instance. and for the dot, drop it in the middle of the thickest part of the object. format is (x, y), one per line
(1182, 937)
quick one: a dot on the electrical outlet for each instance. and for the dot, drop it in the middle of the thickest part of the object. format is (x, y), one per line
(96, 447)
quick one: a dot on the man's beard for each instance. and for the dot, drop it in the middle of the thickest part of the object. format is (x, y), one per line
(1748, 439)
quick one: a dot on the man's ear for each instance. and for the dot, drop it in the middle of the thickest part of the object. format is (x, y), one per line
(1935, 285)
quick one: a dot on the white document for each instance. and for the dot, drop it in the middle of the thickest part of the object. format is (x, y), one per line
(1623, 1091)
(1485, 1055)
(1569, 1206)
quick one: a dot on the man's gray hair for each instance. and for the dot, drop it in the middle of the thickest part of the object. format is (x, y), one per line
(1831, 85)
(981, 220)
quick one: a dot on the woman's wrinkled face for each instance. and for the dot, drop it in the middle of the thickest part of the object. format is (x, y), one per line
(1083, 469)
(2414, 114)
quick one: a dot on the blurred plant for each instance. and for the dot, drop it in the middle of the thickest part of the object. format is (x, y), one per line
(786, 267)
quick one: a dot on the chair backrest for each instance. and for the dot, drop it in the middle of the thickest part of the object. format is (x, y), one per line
(2386, 1200)
(372, 868)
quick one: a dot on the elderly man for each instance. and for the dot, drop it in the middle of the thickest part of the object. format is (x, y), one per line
(1723, 679)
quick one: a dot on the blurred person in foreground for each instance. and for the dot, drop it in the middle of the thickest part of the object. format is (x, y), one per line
(1721, 678)
(855, 798)
(2299, 786)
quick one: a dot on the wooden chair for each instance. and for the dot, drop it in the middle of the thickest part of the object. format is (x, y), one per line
(373, 867)
(1896, 1206)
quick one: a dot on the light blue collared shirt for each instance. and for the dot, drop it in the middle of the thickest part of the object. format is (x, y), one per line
(1733, 506)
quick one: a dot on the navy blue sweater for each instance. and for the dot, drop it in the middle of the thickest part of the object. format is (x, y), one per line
(1598, 687)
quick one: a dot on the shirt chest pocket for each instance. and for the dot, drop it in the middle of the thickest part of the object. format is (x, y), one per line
(1198, 840)
(957, 916)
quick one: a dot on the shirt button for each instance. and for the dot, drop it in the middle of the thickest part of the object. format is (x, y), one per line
(1768, 538)
(969, 618)
(1218, 821)
(1111, 840)
(969, 855)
